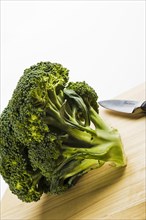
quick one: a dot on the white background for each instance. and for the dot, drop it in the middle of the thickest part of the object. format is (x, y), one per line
(101, 42)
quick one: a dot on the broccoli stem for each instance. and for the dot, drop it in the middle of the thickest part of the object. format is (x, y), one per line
(79, 160)
(84, 166)
(110, 148)
(56, 100)
(86, 136)
(97, 120)
(83, 136)
(100, 143)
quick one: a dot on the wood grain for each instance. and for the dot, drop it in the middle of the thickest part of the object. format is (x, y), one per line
(107, 193)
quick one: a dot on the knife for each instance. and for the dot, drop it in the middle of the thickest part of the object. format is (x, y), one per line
(124, 106)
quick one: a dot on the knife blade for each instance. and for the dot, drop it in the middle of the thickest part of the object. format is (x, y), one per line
(124, 106)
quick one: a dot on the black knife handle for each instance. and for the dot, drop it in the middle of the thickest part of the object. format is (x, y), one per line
(143, 106)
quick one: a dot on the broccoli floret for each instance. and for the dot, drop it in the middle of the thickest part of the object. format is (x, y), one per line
(39, 91)
(87, 93)
(14, 164)
(52, 133)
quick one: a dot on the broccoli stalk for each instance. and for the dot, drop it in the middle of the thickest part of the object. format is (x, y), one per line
(52, 130)
(85, 147)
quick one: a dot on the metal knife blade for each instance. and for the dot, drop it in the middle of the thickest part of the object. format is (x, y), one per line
(124, 106)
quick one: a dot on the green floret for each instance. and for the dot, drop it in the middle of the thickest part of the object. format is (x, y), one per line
(52, 133)
(14, 164)
(40, 86)
(87, 93)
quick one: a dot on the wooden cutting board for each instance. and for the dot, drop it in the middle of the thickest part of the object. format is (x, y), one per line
(105, 193)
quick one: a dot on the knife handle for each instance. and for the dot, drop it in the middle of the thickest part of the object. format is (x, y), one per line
(143, 106)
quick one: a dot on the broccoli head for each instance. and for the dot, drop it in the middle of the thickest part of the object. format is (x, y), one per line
(86, 92)
(52, 133)
(40, 86)
(14, 164)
